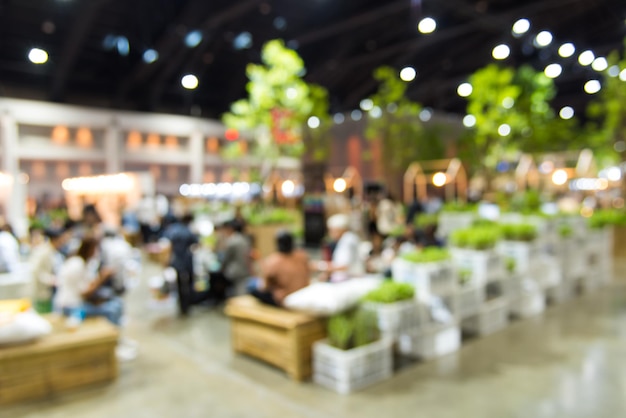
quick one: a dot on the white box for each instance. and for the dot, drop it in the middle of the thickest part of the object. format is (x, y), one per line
(492, 317)
(485, 266)
(528, 304)
(522, 252)
(451, 221)
(432, 341)
(345, 371)
(398, 317)
(467, 301)
(427, 278)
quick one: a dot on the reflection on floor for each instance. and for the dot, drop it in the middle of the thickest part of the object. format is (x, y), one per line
(568, 362)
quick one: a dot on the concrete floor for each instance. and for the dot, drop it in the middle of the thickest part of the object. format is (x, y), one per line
(568, 362)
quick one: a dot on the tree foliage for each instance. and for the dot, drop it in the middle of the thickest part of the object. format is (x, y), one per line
(279, 103)
(398, 126)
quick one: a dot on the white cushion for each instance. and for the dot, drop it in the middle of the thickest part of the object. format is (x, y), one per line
(22, 327)
(325, 299)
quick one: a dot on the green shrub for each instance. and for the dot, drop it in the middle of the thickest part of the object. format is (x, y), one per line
(426, 219)
(390, 292)
(607, 217)
(352, 329)
(427, 255)
(272, 216)
(565, 231)
(528, 202)
(476, 238)
(458, 206)
(519, 232)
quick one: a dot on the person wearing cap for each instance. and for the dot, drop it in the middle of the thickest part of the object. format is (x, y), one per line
(345, 260)
(283, 272)
(45, 262)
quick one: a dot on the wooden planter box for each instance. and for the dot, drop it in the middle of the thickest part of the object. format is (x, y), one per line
(277, 336)
(59, 362)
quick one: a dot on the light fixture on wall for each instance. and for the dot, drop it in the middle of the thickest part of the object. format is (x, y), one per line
(62, 170)
(171, 142)
(213, 145)
(60, 135)
(133, 140)
(153, 140)
(84, 169)
(84, 138)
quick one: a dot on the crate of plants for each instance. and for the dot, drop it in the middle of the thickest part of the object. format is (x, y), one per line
(600, 239)
(518, 244)
(571, 253)
(531, 300)
(354, 355)
(431, 341)
(455, 215)
(474, 256)
(396, 308)
(492, 317)
(429, 271)
(467, 300)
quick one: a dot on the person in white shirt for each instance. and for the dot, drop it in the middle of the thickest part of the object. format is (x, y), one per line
(83, 287)
(45, 262)
(9, 250)
(345, 261)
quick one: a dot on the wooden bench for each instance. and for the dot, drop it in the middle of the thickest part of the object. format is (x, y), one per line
(59, 362)
(277, 336)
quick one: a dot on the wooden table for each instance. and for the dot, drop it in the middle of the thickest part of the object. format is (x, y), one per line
(277, 336)
(59, 362)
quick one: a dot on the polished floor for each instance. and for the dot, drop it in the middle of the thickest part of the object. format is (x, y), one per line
(569, 362)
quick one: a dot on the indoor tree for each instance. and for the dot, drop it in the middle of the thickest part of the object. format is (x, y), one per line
(278, 105)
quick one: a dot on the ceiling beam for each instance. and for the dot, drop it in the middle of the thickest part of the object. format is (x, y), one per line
(85, 18)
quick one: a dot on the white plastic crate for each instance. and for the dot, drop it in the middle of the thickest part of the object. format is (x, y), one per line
(545, 271)
(522, 252)
(345, 371)
(492, 317)
(396, 318)
(485, 266)
(528, 304)
(572, 256)
(451, 221)
(562, 292)
(427, 278)
(432, 341)
(467, 301)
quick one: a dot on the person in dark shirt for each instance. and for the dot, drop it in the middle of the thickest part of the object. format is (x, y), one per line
(182, 240)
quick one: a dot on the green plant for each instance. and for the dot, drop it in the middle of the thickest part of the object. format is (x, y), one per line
(476, 238)
(272, 216)
(519, 232)
(607, 217)
(459, 206)
(427, 255)
(482, 222)
(390, 292)
(565, 231)
(509, 264)
(352, 329)
(527, 202)
(398, 231)
(426, 219)
(465, 274)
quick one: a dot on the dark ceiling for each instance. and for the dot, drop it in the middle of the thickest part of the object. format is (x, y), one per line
(341, 41)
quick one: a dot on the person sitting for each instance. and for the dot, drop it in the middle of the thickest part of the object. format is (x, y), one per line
(83, 286)
(345, 260)
(45, 262)
(283, 272)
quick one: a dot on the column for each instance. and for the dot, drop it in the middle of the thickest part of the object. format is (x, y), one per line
(196, 150)
(112, 147)
(9, 162)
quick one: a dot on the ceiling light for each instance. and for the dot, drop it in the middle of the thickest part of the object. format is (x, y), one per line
(189, 81)
(376, 112)
(600, 64)
(586, 58)
(622, 75)
(193, 39)
(464, 89)
(613, 71)
(427, 25)
(567, 50)
(521, 27)
(313, 122)
(504, 130)
(339, 118)
(593, 86)
(123, 46)
(38, 56)
(150, 56)
(543, 39)
(408, 74)
(366, 104)
(553, 70)
(426, 115)
(566, 113)
(469, 121)
(242, 41)
(508, 102)
(356, 115)
(501, 52)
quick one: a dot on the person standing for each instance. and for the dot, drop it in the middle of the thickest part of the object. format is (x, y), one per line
(182, 240)
(345, 261)
(235, 261)
(45, 263)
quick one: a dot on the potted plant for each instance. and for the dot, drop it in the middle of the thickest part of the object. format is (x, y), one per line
(353, 355)
(455, 215)
(599, 241)
(519, 243)
(473, 250)
(395, 307)
(429, 271)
